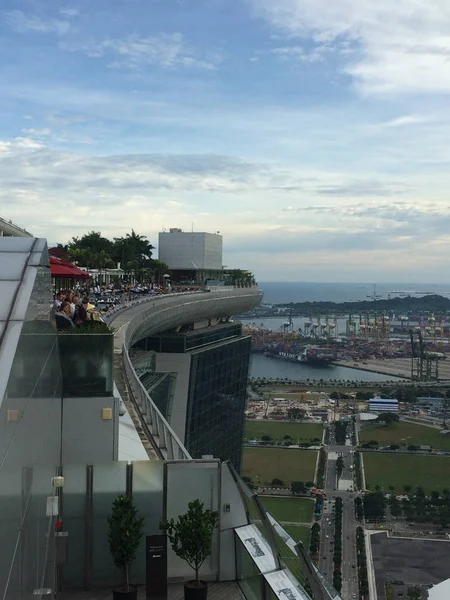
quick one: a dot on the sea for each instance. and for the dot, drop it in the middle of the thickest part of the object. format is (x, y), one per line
(303, 291)
(285, 292)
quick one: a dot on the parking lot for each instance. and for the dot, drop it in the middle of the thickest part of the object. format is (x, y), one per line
(422, 562)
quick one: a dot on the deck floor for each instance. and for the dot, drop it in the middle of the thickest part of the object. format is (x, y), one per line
(216, 591)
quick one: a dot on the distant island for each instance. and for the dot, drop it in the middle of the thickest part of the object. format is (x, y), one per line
(439, 305)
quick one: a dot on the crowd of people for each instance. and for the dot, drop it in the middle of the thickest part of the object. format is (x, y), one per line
(73, 311)
(74, 307)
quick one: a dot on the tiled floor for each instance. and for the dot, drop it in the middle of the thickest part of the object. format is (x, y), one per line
(216, 591)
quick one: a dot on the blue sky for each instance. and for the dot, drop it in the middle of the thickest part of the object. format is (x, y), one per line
(313, 135)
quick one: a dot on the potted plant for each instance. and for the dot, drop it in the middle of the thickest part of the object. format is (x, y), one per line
(126, 529)
(191, 539)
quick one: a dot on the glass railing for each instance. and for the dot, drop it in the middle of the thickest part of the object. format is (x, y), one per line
(271, 560)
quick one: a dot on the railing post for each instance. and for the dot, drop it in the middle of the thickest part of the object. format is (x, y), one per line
(88, 527)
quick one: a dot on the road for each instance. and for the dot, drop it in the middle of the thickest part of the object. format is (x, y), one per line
(349, 524)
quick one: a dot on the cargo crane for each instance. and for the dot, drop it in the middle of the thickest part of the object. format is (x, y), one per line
(288, 326)
(424, 364)
(350, 327)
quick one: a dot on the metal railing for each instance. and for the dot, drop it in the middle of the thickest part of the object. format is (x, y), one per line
(164, 437)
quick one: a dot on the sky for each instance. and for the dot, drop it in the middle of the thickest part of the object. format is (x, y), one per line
(314, 135)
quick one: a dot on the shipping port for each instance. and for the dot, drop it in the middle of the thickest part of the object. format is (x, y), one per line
(407, 345)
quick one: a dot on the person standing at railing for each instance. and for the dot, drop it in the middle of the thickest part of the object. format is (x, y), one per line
(80, 315)
(63, 317)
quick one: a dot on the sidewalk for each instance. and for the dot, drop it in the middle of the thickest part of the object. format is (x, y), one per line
(370, 570)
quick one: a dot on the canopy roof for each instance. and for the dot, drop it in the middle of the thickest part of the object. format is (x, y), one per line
(20, 260)
(66, 270)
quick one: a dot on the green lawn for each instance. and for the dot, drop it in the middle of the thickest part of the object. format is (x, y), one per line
(303, 432)
(404, 434)
(298, 510)
(264, 464)
(429, 472)
(299, 533)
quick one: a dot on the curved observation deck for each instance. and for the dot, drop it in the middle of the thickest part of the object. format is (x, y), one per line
(151, 316)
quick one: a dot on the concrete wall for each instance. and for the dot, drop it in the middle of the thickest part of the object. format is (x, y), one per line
(190, 250)
(181, 365)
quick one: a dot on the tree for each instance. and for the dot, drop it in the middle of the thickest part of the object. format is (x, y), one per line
(125, 532)
(191, 535)
(158, 269)
(374, 505)
(298, 487)
(407, 488)
(414, 593)
(388, 418)
(240, 278)
(93, 241)
(295, 414)
(277, 481)
(287, 437)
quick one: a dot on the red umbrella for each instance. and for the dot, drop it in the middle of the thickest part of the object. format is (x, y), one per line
(60, 269)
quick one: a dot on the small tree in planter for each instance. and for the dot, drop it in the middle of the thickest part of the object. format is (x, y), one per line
(126, 529)
(191, 539)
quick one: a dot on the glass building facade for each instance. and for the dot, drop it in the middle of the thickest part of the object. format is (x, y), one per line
(216, 400)
(217, 390)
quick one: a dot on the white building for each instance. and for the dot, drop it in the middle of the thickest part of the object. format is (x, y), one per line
(383, 405)
(441, 591)
(191, 256)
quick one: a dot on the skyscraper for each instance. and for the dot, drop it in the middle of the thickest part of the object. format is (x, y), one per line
(210, 367)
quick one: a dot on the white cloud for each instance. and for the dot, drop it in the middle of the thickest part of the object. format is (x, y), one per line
(240, 198)
(69, 12)
(23, 23)
(407, 120)
(136, 53)
(403, 46)
(18, 144)
(38, 132)
(299, 53)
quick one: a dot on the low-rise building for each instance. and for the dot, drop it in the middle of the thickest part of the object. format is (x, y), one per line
(383, 405)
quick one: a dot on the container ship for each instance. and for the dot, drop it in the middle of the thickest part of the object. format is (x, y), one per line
(310, 355)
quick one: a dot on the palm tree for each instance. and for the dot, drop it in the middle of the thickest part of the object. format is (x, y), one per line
(102, 260)
(77, 255)
(134, 252)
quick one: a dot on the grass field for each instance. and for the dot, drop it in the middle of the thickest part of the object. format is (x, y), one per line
(403, 433)
(298, 510)
(264, 464)
(429, 472)
(303, 432)
(299, 533)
